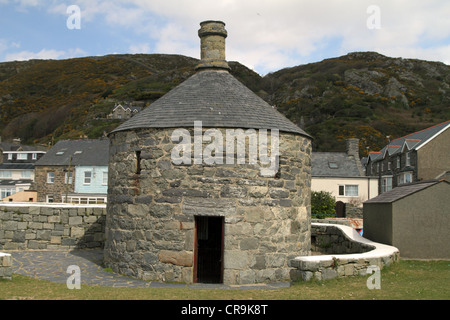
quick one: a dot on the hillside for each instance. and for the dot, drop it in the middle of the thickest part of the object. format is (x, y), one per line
(364, 95)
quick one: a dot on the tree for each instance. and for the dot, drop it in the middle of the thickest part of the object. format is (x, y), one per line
(322, 204)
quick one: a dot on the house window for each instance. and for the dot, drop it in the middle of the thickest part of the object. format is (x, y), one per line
(68, 178)
(10, 156)
(26, 174)
(22, 156)
(5, 174)
(408, 177)
(408, 159)
(50, 199)
(389, 166)
(6, 192)
(386, 184)
(138, 162)
(87, 177)
(398, 162)
(50, 177)
(333, 165)
(34, 156)
(348, 190)
(405, 177)
(105, 178)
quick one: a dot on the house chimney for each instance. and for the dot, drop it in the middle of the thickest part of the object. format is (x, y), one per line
(212, 35)
(353, 151)
(353, 147)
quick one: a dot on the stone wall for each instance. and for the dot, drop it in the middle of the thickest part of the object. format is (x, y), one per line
(355, 212)
(56, 189)
(339, 251)
(326, 239)
(153, 203)
(58, 226)
(5, 266)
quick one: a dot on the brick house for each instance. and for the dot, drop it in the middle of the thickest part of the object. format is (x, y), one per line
(422, 155)
(73, 171)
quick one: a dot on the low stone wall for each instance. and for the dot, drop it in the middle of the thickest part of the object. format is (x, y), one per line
(5, 266)
(348, 254)
(51, 226)
(329, 239)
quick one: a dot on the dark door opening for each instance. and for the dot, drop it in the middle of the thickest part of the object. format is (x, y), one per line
(340, 209)
(208, 264)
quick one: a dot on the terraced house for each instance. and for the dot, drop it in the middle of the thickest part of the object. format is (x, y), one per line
(74, 171)
(422, 155)
(17, 171)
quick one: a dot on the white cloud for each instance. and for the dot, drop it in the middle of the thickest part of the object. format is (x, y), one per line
(44, 54)
(273, 34)
(270, 35)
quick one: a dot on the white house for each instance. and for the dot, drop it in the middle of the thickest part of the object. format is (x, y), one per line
(17, 168)
(341, 174)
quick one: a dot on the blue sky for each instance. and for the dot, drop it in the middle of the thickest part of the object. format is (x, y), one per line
(265, 35)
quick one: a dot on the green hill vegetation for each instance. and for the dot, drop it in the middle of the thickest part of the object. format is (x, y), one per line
(364, 95)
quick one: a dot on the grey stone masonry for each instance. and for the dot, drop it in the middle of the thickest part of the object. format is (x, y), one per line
(330, 239)
(339, 251)
(5, 266)
(150, 226)
(56, 226)
(155, 200)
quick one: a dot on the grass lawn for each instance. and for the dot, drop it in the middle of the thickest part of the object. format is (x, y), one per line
(406, 280)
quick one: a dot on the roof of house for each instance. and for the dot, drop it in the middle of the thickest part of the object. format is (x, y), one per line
(404, 191)
(333, 164)
(77, 153)
(12, 183)
(131, 108)
(12, 146)
(412, 141)
(17, 166)
(218, 100)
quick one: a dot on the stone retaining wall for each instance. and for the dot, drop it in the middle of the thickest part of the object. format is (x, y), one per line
(48, 226)
(348, 254)
(329, 239)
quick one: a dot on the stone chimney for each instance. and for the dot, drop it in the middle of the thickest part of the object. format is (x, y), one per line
(212, 35)
(353, 151)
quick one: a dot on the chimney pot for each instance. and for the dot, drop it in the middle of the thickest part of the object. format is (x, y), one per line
(212, 36)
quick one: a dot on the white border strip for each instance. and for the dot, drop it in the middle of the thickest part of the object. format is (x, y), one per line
(51, 205)
(380, 251)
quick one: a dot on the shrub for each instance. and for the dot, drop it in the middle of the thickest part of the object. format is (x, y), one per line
(322, 205)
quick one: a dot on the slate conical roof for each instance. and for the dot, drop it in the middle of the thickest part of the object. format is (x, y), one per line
(218, 100)
(212, 96)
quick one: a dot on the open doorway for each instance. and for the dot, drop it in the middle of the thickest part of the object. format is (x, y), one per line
(208, 263)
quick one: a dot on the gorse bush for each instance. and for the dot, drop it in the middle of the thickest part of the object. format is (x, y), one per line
(322, 205)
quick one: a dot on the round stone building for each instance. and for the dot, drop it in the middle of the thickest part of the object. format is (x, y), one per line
(209, 183)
